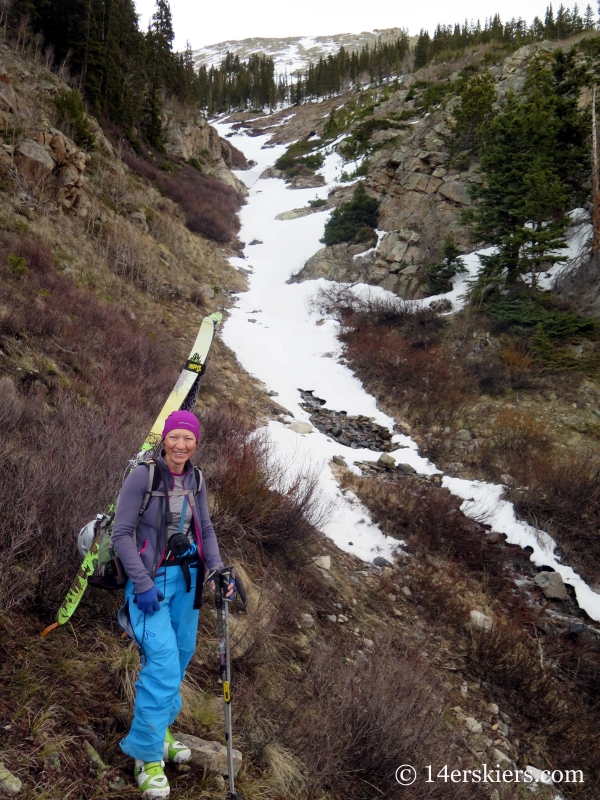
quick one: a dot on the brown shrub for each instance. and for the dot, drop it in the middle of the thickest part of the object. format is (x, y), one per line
(511, 660)
(489, 372)
(520, 366)
(519, 433)
(430, 520)
(253, 505)
(561, 494)
(238, 159)
(396, 351)
(71, 423)
(210, 207)
(351, 725)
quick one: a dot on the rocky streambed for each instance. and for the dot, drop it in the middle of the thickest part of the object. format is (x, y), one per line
(355, 431)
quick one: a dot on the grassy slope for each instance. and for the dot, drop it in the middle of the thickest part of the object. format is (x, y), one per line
(320, 711)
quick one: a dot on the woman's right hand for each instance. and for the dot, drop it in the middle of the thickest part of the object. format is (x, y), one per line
(148, 602)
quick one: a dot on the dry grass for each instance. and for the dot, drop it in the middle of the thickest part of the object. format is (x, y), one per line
(352, 722)
(513, 662)
(130, 255)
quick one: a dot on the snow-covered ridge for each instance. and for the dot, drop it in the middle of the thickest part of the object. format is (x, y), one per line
(292, 53)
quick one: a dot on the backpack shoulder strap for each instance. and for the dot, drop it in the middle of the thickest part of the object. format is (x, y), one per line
(199, 479)
(153, 478)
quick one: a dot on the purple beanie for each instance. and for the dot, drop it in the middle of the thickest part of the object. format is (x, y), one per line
(183, 420)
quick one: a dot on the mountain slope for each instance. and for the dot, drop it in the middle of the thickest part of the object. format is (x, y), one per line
(292, 53)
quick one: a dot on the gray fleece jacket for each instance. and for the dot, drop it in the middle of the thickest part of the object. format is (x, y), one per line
(138, 556)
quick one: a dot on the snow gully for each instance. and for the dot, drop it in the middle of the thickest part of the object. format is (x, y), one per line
(289, 348)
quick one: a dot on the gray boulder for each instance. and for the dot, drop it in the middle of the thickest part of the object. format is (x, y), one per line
(212, 756)
(552, 585)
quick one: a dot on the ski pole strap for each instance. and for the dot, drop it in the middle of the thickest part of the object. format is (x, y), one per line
(222, 576)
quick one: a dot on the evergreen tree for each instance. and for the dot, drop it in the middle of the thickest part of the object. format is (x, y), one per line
(533, 156)
(354, 219)
(473, 113)
(422, 49)
(440, 275)
(588, 19)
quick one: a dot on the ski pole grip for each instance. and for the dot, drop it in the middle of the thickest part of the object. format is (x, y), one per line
(241, 591)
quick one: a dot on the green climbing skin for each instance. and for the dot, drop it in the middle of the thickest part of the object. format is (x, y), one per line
(79, 585)
(183, 397)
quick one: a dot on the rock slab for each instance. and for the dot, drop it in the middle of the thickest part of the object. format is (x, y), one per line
(9, 783)
(480, 620)
(211, 756)
(552, 585)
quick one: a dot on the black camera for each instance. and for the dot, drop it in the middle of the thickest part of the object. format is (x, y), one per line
(178, 544)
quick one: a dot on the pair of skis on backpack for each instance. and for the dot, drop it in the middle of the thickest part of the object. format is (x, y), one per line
(99, 567)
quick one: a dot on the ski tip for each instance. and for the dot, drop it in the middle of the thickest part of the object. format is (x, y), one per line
(48, 630)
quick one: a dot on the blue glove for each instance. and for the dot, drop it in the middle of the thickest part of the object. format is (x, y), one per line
(231, 583)
(148, 602)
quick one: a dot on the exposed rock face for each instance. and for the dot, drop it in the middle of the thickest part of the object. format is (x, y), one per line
(195, 138)
(55, 164)
(418, 191)
(513, 68)
(393, 265)
(421, 195)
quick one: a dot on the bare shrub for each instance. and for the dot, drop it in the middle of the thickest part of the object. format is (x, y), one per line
(210, 207)
(252, 506)
(352, 310)
(508, 658)
(238, 159)
(562, 495)
(519, 433)
(374, 713)
(100, 379)
(395, 349)
(11, 404)
(520, 366)
(430, 520)
(489, 372)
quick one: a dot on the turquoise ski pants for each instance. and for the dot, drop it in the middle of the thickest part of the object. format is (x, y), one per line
(168, 641)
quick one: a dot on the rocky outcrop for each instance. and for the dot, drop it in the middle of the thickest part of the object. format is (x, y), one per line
(393, 265)
(418, 190)
(195, 139)
(51, 166)
(421, 193)
(512, 76)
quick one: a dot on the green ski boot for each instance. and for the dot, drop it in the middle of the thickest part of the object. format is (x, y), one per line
(151, 779)
(174, 752)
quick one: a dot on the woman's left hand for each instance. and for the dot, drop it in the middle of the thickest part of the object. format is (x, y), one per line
(230, 589)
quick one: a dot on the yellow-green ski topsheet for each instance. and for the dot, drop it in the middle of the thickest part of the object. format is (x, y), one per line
(193, 369)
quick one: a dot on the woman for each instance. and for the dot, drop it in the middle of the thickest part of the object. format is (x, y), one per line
(165, 550)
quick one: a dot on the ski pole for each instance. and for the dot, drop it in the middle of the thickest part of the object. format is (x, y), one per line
(222, 578)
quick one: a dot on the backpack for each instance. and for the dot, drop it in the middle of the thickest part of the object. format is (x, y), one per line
(109, 572)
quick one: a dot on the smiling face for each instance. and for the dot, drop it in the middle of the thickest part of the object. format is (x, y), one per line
(179, 447)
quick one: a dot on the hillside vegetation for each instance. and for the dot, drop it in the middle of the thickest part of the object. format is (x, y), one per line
(118, 211)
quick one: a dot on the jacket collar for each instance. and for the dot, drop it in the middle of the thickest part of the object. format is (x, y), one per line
(187, 467)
